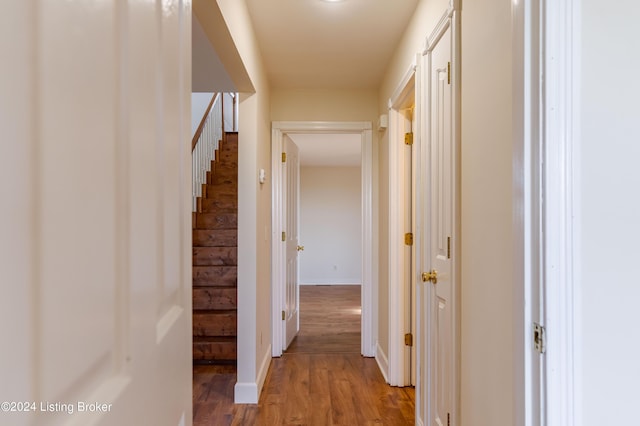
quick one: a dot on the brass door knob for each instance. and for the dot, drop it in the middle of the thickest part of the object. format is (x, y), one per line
(300, 248)
(431, 276)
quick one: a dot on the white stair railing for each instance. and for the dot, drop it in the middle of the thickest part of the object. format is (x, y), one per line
(204, 145)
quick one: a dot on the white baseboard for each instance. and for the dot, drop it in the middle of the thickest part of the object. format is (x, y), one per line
(332, 282)
(245, 393)
(383, 362)
(248, 392)
(264, 369)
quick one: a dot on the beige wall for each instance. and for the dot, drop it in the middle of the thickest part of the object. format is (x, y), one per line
(487, 240)
(254, 210)
(324, 105)
(330, 225)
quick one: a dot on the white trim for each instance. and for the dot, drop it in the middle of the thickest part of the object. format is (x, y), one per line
(262, 372)
(245, 393)
(396, 274)
(561, 256)
(248, 392)
(527, 215)
(369, 241)
(334, 282)
(383, 362)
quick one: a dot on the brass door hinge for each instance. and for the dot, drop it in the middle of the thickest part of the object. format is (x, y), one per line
(282, 315)
(284, 157)
(408, 339)
(448, 247)
(408, 239)
(539, 338)
(284, 236)
(408, 138)
(448, 72)
(448, 419)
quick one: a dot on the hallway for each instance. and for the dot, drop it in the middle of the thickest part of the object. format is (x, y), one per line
(321, 380)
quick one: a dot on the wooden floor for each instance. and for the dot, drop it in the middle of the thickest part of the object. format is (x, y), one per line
(320, 380)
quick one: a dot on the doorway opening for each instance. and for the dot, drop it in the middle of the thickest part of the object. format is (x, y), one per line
(330, 250)
(283, 132)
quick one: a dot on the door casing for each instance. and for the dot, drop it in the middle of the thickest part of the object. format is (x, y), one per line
(369, 297)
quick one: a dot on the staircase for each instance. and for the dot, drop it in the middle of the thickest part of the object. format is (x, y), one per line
(215, 259)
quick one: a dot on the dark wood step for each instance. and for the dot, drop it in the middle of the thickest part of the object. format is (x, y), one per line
(209, 298)
(216, 221)
(228, 188)
(215, 276)
(214, 238)
(214, 323)
(214, 348)
(219, 179)
(215, 256)
(219, 201)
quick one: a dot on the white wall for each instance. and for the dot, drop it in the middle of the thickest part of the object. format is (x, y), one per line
(199, 104)
(609, 179)
(330, 225)
(95, 174)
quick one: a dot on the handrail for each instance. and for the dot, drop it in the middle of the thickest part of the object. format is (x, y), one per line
(196, 136)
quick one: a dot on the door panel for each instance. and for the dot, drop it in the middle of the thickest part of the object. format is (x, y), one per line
(292, 182)
(101, 287)
(440, 220)
(436, 297)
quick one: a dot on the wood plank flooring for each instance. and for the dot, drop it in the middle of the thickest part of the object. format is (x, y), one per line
(320, 380)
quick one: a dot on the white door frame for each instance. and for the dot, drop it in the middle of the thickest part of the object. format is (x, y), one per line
(546, 213)
(409, 85)
(369, 297)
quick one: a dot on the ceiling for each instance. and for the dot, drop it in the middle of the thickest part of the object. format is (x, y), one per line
(323, 150)
(315, 44)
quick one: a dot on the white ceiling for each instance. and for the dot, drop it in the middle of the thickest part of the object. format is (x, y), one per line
(317, 44)
(322, 150)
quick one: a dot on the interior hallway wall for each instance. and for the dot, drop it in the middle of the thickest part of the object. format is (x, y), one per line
(609, 206)
(330, 225)
(487, 215)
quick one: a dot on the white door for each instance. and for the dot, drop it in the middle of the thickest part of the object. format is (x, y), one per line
(292, 182)
(439, 239)
(95, 256)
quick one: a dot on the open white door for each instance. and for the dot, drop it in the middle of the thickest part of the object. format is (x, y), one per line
(438, 289)
(291, 166)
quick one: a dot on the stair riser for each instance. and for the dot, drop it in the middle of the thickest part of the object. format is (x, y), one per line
(218, 202)
(214, 351)
(215, 256)
(217, 221)
(215, 298)
(215, 276)
(215, 238)
(214, 324)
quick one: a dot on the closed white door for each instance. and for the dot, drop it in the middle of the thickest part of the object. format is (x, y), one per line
(292, 182)
(441, 233)
(439, 239)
